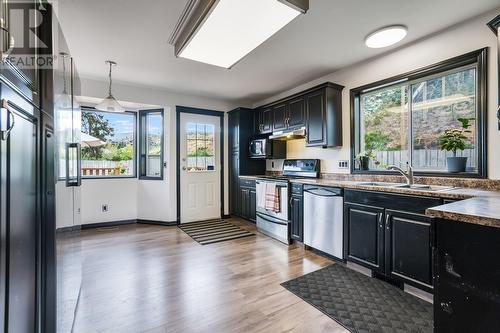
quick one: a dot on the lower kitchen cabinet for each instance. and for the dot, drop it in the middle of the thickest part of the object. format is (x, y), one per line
(466, 291)
(408, 247)
(364, 235)
(297, 213)
(247, 199)
(389, 234)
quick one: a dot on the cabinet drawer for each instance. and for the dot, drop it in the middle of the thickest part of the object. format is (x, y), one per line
(401, 202)
(245, 182)
(297, 189)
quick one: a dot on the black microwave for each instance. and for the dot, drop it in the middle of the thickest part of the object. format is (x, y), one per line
(266, 148)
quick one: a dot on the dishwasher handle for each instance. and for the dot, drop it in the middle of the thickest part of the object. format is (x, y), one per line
(324, 192)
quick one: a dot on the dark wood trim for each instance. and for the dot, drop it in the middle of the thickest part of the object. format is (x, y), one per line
(106, 224)
(162, 143)
(191, 110)
(164, 223)
(479, 57)
(495, 24)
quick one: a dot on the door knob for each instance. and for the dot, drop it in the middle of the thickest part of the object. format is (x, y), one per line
(184, 168)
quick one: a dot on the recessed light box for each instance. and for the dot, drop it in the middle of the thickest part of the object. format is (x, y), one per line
(222, 32)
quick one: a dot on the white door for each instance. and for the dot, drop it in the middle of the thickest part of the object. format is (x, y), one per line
(200, 167)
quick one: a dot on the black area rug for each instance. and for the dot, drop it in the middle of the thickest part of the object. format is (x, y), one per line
(209, 232)
(362, 304)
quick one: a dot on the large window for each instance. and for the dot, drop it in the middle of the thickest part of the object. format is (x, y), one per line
(401, 120)
(108, 148)
(151, 144)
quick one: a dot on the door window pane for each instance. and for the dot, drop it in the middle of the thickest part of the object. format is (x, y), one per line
(151, 143)
(200, 143)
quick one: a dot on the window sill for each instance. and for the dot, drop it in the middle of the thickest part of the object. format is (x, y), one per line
(109, 177)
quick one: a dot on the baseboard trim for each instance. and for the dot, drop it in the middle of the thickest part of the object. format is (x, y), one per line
(164, 223)
(107, 224)
(227, 216)
(68, 229)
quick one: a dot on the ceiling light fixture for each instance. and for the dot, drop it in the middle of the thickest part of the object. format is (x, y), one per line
(110, 103)
(222, 32)
(386, 36)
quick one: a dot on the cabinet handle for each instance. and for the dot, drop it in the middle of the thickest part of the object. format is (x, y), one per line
(4, 135)
(3, 29)
(387, 224)
(380, 225)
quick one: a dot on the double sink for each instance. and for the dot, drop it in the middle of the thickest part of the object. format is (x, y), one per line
(418, 187)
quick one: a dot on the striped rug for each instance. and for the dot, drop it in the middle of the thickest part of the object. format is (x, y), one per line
(209, 232)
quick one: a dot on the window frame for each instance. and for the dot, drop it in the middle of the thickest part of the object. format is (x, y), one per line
(478, 59)
(142, 114)
(134, 114)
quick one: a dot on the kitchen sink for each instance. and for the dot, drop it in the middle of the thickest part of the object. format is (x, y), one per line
(382, 184)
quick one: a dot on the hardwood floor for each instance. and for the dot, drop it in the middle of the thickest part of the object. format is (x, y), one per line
(142, 278)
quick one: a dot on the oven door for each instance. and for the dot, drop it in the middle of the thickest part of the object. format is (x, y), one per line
(258, 148)
(283, 213)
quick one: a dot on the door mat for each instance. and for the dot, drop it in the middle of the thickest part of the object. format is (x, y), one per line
(209, 232)
(362, 304)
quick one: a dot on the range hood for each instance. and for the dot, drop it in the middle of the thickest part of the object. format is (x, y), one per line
(299, 133)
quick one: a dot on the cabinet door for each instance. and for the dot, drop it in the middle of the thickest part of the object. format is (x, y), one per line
(316, 119)
(234, 131)
(280, 117)
(267, 121)
(364, 235)
(252, 205)
(234, 188)
(21, 228)
(409, 248)
(244, 202)
(296, 113)
(297, 217)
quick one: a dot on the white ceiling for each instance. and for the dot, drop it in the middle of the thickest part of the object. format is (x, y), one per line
(329, 37)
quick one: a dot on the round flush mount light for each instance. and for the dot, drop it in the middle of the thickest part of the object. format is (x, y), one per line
(386, 36)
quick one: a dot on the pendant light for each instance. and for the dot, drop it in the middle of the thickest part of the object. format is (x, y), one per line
(110, 103)
(64, 100)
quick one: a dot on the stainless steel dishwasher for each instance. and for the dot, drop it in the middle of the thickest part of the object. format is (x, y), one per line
(323, 219)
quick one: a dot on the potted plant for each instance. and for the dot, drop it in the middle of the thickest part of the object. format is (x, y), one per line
(364, 160)
(454, 139)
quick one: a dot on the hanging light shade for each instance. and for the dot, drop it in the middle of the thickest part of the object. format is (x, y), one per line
(64, 100)
(110, 103)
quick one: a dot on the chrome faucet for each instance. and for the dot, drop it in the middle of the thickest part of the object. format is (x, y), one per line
(408, 174)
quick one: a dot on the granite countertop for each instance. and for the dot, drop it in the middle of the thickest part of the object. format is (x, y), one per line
(476, 206)
(250, 176)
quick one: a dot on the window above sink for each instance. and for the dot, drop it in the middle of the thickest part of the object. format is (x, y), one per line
(400, 120)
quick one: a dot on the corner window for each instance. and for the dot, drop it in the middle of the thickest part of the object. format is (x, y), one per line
(151, 144)
(423, 119)
(107, 140)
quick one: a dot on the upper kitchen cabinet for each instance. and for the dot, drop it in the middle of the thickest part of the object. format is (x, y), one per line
(264, 121)
(21, 49)
(324, 116)
(495, 26)
(318, 110)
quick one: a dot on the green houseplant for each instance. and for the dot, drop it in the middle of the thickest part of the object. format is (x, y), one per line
(364, 160)
(455, 139)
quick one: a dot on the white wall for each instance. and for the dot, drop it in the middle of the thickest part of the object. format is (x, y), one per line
(143, 199)
(463, 38)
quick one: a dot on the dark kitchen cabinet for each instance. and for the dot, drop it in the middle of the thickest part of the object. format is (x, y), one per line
(466, 284)
(389, 234)
(364, 231)
(409, 247)
(280, 117)
(22, 49)
(264, 121)
(324, 117)
(296, 113)
(297, 213)
(247, 198)
(241, 129)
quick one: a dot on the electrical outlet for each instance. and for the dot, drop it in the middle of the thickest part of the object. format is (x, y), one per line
(104, 208)
(343, 164)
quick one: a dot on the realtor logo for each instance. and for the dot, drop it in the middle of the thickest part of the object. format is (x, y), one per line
(21, 43)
